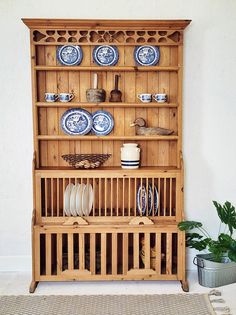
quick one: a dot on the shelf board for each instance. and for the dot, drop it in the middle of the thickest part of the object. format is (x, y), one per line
(106, 170)
(106, 68)
(106, 104)
(109, 138)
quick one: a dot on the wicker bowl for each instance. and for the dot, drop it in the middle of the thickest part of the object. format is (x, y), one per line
(86, 161)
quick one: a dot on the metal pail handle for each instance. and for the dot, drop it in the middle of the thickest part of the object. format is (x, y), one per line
(196, 264)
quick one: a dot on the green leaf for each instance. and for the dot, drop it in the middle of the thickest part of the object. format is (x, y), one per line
(189, 225)
(199, 245)
(227, 214)
(190, 236)
(232, 255)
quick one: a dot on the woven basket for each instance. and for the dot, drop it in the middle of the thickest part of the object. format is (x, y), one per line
(87, 161)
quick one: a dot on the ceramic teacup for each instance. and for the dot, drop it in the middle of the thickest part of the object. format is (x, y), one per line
(145, 97)
(160, 98)
(51, 97)
(66, 97)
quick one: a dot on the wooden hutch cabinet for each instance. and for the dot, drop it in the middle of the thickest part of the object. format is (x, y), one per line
(115, 241)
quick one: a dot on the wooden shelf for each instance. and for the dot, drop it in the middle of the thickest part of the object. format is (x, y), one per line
(108, 138)
(106, 104)
(104, 68)
(108, 169)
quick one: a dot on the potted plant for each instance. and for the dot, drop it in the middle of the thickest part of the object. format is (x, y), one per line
(218, 266)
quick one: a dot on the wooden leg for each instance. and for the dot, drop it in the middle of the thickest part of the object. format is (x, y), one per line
(33, 286)
(184, 285)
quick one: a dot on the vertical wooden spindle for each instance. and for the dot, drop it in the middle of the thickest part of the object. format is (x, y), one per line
(70, 251)
(158, 253)
(81, 251)
(103, 253)
(136, 250)
(147, 250)
(169, 254)
(48, 254)
(114, 253)
(59, 253)
(93, 253)
(125, 253)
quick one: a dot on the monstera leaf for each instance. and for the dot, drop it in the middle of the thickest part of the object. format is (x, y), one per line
(189, 225)
(227, 214)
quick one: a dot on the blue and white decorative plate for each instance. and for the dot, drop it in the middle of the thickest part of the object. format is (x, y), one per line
(146, 55)
(76, 121)
(69, 55)
(142, 203)
(103, 123)
(105, 55)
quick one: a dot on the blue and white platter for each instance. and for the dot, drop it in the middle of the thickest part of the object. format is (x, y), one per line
(69, 55)
(105, 55)
(145, 200)
(76, 121)
(103, 123)
(147, 55)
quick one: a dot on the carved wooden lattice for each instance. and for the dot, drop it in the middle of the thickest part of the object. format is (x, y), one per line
(86, 37)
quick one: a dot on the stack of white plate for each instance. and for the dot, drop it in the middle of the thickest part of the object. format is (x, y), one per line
(78, 199)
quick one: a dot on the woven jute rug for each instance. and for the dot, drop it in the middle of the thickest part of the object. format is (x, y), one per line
(163, 304)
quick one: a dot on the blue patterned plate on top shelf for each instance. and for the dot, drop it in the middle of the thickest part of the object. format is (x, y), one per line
(103, 123)
(69, 55)
(76, 121)
(105, 55)
(146, 55)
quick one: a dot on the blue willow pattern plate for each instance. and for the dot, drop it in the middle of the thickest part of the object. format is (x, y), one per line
(147, 55)
(105, 55)
(103, 123)
(76, 121)
(143, 203)
(69, 55)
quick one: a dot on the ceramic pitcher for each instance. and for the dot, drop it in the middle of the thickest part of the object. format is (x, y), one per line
(130, 156)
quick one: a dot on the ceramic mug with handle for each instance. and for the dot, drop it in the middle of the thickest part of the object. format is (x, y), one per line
(145, 97)
(51, 97)
(66, 97)
(160, 97)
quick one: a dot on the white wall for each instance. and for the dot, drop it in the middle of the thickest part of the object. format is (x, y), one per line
(209, 101)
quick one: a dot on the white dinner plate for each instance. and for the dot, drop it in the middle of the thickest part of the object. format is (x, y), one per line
(85, 197)
(72, 201)
(91, 198)
(79, 199)
(67, 193)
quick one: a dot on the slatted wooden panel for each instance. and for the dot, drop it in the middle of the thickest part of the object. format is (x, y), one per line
(113, 197)
(154, 153)
(69, 253)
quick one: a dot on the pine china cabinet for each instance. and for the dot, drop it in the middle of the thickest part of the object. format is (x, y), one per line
(115, 241)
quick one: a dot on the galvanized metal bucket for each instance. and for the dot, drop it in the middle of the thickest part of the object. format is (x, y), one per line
(213, 274)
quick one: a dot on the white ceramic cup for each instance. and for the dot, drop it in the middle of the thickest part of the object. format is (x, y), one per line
(66, 97)
(130, 156)
(51, 97)
(160, 97)
(145, 97)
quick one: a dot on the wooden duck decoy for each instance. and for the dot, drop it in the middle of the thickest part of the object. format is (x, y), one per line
(143, 130)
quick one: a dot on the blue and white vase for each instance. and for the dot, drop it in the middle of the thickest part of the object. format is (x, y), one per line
(130, 156)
